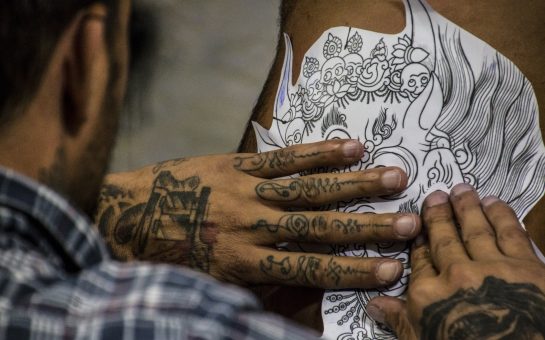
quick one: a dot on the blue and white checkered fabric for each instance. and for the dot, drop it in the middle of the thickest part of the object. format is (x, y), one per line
(57, 281)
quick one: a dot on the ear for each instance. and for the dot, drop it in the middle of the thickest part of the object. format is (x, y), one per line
(85, 69)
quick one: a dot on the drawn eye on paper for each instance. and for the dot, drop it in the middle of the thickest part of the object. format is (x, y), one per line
(433, 100)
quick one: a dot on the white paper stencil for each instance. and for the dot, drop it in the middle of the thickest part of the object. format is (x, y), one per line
(433, 100)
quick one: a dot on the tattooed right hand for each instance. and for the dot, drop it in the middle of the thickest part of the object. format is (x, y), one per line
(478, 277)
(224, 215)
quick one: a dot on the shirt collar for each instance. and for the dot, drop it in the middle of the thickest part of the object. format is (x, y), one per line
(79, 242)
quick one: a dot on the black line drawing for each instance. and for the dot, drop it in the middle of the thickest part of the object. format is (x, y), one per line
(434, 100)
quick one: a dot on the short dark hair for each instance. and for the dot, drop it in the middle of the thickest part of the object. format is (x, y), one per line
(29, 32)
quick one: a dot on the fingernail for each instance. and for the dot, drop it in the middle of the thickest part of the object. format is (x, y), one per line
(387, 272)
(436, 198)
(461, 188)
(405, 226)
(391, 179)
(487, 201)
(376, 313)
(352, 149)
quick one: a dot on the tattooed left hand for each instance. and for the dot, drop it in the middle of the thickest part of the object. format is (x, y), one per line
(483, 281)
(224, 215)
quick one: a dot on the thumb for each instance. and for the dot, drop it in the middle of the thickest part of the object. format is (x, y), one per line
(392, 312)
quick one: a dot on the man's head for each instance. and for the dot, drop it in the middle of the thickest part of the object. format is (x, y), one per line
(62, 82)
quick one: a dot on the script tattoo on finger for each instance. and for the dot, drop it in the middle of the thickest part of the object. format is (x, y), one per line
(308, 188)
(352, 226)
(171, 226)
(296, 226)
(336, 271)
(299, 227)
(301, 270)
(497, 310)
(280, 159)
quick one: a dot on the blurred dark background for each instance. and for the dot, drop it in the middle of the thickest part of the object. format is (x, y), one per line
(198, 68)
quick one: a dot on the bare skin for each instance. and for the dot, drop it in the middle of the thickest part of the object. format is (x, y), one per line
(479, 281)
(516, 31)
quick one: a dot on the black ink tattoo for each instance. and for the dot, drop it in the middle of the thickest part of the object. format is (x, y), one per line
(309, 188)
(497, 310)
(115, 199)
(170, 227)
(297, 226)
(336, 272)
(280, 159)
(302, 270)
(352, 226)
(164, 164)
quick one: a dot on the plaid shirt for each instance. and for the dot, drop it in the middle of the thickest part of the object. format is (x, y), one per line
(57, 281)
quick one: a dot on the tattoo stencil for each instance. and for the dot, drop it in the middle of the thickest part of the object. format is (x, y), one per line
(433, 100)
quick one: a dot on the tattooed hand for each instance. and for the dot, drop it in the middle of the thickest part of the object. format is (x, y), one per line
(483, 281)
(224, 215)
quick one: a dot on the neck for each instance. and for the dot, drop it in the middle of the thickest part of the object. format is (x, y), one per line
(31, 145)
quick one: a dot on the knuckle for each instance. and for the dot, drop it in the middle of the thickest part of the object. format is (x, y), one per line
(478, 235)
(459, 272)
(438, 220)
(467, 212)
(321, 227)
(501, 211)
(318, 277)
(424, 288)
(308, 199)
(437, 215)
(445, 243)
(377, 231)
(512, 233)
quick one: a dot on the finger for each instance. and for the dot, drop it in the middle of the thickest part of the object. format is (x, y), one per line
(511, 237)
(421, 262)
(392, 312)
(445, 245)
(296, 158)
(326, 188)
(478, 235)
(335, 228)
(324, 271)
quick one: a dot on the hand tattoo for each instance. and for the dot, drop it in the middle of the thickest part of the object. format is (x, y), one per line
(336, 272)
(296, 225)
(163, 165)
(170, 227)
(300, 187)
(497, 310)
(305, 269)
(352, 226)
(299, 227)
(302, 270)
(280, 159)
